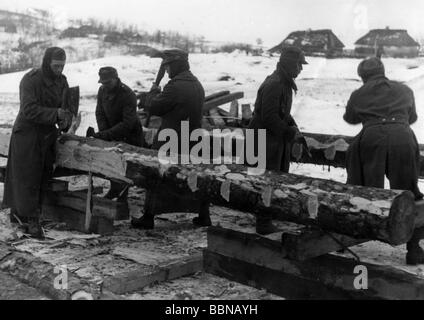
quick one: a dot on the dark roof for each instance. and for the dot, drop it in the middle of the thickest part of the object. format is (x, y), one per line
(387, 37)
(313, 39)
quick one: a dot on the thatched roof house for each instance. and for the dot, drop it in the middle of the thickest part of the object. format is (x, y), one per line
(312, 42)
(387, 42)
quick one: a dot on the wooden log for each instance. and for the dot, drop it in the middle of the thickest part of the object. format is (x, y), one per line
(364, 213)
(216, 95)
(211, 104)
(261, 263)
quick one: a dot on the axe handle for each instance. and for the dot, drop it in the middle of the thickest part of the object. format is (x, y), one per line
(159, 77)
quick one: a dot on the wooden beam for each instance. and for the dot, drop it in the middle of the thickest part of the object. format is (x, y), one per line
(385, 215)
(147, 275)
(261, 264)
(211, 104)
(75, 219)
(76, 200)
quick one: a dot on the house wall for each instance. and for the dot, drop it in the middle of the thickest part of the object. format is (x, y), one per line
(390, 51)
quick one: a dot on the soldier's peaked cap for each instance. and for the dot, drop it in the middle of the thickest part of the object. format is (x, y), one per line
(293, 53)
(171, 55)
(107, 73)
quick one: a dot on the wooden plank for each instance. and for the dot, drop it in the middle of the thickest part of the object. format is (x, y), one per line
(222, 100)
(274, 281)
(75, 220)
(240, 262)
(146, 275)
(307, 243)
(77, 200)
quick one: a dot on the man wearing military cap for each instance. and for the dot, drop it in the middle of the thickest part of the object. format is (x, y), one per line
(117, 119)
(272, 113)
(386, 145)
(181, 100)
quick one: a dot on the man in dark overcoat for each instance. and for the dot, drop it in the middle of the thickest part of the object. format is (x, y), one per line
(386, 146)
(272, 113)
(117, 119)
(182, 99)
(32, 145)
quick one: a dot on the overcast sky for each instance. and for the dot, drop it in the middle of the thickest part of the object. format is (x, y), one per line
(245, 20)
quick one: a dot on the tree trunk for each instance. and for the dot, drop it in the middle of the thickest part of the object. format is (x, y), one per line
(385, 215)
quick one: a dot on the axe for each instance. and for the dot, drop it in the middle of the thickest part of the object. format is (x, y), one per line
(71, 98)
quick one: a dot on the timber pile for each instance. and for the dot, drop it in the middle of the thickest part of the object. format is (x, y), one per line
(265, 262)
(364, 213)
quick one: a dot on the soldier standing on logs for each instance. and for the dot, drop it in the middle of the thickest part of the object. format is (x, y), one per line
(272, 112)
(34, 134)
(386, 145)
(182, 99)
(117, 120)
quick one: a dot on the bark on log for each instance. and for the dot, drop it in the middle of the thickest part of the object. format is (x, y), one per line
(385, 215)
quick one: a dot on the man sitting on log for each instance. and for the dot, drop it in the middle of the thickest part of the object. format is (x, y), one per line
(272, 113)
(117, 120)
(182, 99)
(40, 120)
(386, 145)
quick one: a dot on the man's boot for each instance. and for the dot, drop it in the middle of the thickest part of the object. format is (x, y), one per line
(264, 225)
(415, 253)
(204, 219)
(147, 221)
(34, 228)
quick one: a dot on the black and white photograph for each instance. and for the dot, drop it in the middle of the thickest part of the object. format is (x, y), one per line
(211, 154)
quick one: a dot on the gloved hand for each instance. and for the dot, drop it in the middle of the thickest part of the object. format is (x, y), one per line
(64, 119)
(90, 132)
(155, 89)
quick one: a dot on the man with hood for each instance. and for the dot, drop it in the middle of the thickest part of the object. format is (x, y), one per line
(40, 120)
(272, 113)
(386, 145)
(182, 99)
(117, 119)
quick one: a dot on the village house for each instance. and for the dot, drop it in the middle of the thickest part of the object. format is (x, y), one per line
(313, 42)
(387, 42)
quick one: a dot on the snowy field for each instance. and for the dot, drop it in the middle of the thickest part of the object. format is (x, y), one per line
(324, 89)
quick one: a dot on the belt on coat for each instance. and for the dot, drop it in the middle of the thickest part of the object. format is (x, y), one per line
(384, 121)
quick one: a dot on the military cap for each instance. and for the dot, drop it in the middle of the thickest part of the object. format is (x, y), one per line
(171, 55)
(293, 53)
(107, 74)
(371, 67)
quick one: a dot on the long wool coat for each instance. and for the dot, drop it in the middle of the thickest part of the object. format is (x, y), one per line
(272, 112)
(386, 145)
(31, 151)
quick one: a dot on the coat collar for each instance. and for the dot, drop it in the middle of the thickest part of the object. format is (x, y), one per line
(285, 78)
